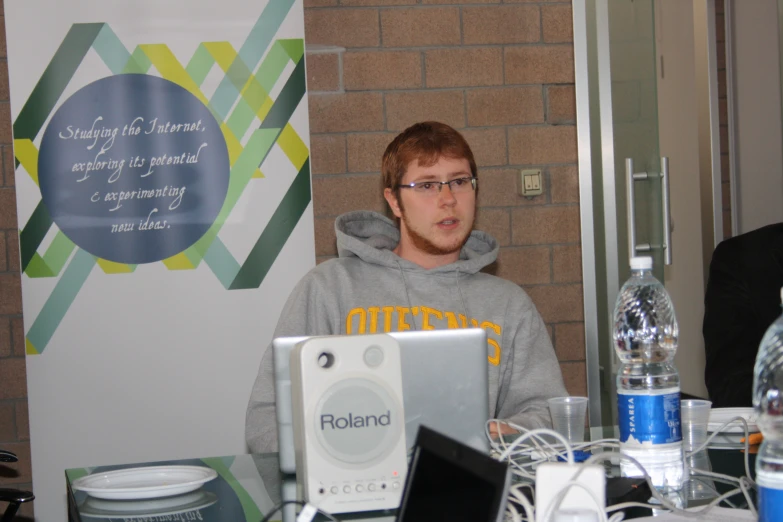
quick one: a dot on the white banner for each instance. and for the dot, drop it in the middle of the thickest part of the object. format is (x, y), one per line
(163, 190)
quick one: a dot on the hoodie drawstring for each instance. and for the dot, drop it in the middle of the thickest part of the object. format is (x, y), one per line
(407, 294)
(462, 297)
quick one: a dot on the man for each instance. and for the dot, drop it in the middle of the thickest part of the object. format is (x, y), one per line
(741, 301)
(421, 273)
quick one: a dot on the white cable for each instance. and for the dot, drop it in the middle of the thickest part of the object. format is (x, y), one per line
(558, 499)
(522, 499)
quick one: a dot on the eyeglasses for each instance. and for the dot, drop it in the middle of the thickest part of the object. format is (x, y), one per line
(430, 188)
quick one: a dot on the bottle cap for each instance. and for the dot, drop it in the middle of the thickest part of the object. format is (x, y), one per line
(641, 263)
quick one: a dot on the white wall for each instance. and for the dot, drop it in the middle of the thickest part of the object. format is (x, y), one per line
(758, 114)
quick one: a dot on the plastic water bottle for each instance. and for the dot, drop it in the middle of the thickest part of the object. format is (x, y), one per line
(768, 403)
(648, 385)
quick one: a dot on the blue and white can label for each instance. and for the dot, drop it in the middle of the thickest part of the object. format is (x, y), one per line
(649, 417)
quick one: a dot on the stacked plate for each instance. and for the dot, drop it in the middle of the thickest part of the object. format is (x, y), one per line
(144, 482)
(731, 435)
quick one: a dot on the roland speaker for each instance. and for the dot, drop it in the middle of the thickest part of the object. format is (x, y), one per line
(349, 423)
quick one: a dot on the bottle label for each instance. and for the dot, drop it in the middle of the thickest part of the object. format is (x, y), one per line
(652, 419)
(770, 504)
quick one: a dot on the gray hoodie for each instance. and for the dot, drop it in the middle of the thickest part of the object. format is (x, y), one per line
(369, 289)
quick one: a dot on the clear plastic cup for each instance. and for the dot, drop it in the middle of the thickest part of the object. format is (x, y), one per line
(695, 415)
(568, 417)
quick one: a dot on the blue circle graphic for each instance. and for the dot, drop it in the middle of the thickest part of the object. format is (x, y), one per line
(133, 168)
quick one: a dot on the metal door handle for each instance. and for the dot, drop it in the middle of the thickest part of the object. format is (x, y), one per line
(667, 226)
(631, 177)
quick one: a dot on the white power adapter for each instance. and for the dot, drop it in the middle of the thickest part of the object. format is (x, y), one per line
(552, 479)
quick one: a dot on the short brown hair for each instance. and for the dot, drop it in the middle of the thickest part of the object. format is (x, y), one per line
(426, 142)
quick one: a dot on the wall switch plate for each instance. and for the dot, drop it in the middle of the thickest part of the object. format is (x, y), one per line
(530, 182)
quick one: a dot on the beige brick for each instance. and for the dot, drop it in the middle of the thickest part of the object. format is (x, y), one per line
(459, 67)
(542, 145)
(5, 122)
(3, 252)
(565, 184)
(366, 150)
(323, 71)
(377, 2)
(7, 208)
(3, 46)
(17, 336)
(488, 145)
(335, 195)
(360, 111)
(558, 23)
(17, 472)
(505, 106)
(724, 137)
(325, 238)
(524, 266)
(406, 108)
(570, 341)
(343, 27)
(4, 87)
(319, 3)
(7, 422)
(567, 264)
(720, 29)
(545, 225)
(726, 195)
(540, 64)
(420, 26)
(721, 56)
(5, 338)
(536, 1)
(505, 24)
(10, 295)
(722, 83)
(327, 153)
(8, 166)
(499, 188)
(22, 421)
(14, 378)
(382, 70)
(558, 303)
(561, 104)
(723, 111)
(12, 244)
(495, 222)
(575, 378)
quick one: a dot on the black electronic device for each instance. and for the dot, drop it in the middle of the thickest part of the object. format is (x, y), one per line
(449, 481)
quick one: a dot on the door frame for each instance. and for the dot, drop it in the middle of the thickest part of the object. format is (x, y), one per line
(598, 182)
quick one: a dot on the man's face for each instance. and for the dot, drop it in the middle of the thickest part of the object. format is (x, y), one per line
(433, 228)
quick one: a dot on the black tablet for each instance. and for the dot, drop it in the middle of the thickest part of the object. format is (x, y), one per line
(450, 481)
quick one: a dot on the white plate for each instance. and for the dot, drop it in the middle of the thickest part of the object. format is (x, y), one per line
(145, 482)
(159, 507)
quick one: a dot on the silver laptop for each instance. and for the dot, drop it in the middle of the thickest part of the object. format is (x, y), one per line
(444, 384)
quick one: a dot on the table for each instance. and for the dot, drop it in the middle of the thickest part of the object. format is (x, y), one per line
(249, 486)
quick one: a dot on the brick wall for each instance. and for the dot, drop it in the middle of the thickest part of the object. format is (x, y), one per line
(14, 428)
(501, 73)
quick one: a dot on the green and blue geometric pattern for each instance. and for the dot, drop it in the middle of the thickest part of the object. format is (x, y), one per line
(252, 122)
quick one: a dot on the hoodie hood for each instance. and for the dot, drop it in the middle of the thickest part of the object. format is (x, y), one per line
(373, 237)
